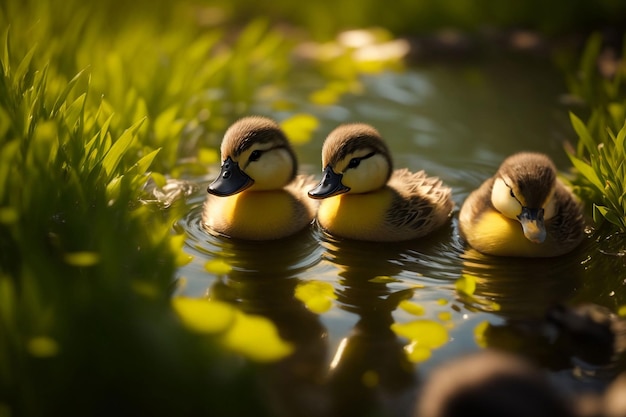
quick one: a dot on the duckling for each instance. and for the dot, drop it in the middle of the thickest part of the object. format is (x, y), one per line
(364, 199)
(490, 383)
(257, 195)
(524, 210)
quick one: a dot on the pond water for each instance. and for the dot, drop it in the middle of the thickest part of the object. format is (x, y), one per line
(458, 122)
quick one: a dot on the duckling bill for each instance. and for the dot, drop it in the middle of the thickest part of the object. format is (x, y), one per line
(257, 194)
(523, 210)
(363, 198)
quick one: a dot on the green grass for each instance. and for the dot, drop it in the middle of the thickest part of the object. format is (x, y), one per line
(600, 154)
(87, 114)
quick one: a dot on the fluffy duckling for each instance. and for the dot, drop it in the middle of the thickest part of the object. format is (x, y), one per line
(365, 199)
(257, 195)
(524, 210)
(490, 383)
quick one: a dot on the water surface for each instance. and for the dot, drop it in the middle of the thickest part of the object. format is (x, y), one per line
(457, 123)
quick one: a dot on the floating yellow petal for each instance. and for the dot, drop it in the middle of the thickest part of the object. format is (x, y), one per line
(257, 338)
(218, 267)
(383, 279)
(204, 316)
(324, 97)
(317, 296)
(466, 284)
(82, 258)
(412, 308)
(444, 316)
(479, 334)
(621, 311)
(299, 128)
(176, 244)
(417, 353)
(426, 333)
(42, 347)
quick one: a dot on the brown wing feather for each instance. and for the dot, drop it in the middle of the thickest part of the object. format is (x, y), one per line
(421, 202)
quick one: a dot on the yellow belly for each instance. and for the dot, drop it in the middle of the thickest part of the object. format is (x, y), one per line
(496, 234)
(261, 215)
(356, 216)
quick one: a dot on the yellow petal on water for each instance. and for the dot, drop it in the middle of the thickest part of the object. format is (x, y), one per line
(324, 97)
(426, 333)
(183, 258)
(383, 279)
(317, 296)
(412, 308)
(257, 338)
(82, 258)
(444, 316)
(299, 128)
(442, 301)
(319, 305)
(466, 284)
(479, 334)
(204, 316)
(42, 347)
(621, 311)
(217, 267)
(416, 353)
(370, 378)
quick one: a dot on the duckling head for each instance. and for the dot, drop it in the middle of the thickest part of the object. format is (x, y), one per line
(524, 189)
(355, 159)
(255, 154)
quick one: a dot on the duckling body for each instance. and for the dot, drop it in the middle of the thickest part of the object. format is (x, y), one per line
(364, 199)
(257, 195)
(524, 210)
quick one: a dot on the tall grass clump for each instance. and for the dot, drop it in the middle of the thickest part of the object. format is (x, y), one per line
(92, 104)
(600, 154)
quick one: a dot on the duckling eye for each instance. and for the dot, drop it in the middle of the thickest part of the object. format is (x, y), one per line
(255, 155)
(511, 192)
(354, 162)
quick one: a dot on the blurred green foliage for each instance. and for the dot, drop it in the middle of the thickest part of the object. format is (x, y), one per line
(324, 18)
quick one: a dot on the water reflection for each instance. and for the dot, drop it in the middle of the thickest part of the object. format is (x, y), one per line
(370, 373)
(519, 287)
(262, 281)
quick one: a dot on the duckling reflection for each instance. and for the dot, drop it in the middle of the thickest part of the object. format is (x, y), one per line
(517, 287)
(263, 281)
(370, 373)
(586, 338)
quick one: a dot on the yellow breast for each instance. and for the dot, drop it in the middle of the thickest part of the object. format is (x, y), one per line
(495, 234)
(253, 215)
(356, 216)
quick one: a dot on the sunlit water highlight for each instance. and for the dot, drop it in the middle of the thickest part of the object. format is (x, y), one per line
(457, 124)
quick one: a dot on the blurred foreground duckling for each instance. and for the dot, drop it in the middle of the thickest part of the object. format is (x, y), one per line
(490, 383)
(523, 210)
(257, 195)
(364, 199)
